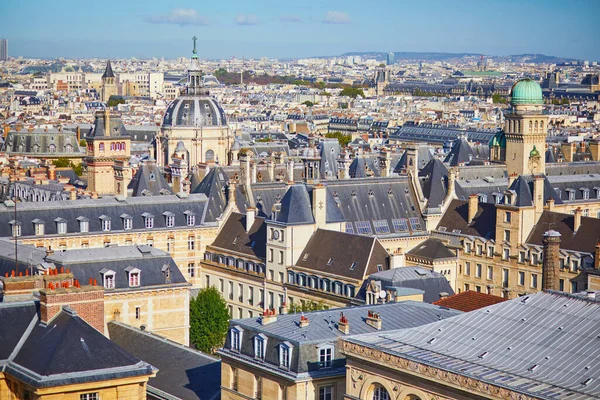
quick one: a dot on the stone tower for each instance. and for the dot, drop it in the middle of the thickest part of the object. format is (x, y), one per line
(525, 130)
(109, 84)
(108, 153)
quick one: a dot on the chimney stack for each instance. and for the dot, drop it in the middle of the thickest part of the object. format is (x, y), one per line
(87, 301)
(538, 194)
(473, 206)
(595, 150)
(290, 171)
(567, 150)
(550, 204)
(374, 320)
(551, 262)
(344, 325)
(597, 256)
(268, 317)
(250, 217)
(577, 219)
(319, 205)
(304, 322)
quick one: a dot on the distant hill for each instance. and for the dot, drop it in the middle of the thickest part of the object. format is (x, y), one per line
(428, 56)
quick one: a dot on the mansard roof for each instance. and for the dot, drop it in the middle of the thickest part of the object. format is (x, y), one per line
(149, 181)
(584, 239)
(234, 238)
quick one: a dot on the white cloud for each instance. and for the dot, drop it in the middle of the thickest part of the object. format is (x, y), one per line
(336, 17)
(180, 16)
(246, 19)
(290, 18)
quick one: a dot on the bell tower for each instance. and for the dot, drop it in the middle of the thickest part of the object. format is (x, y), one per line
(109, 84)
(525, 130)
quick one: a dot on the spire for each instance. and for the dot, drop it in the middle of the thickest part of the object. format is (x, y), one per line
(194, 52)
(194, 73)
(108, 72)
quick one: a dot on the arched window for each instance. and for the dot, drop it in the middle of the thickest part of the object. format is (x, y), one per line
(112, 147)
(123, 146)
(209, 156)
(379, 393)
(101, 147)
(530, 126)
(536, 126)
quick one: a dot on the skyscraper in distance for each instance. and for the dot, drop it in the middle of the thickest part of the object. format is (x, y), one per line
(3, 49)
(390, 58)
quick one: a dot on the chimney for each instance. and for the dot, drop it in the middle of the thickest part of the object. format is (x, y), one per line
(567, 150)
(319, 206)
(231, 192)
(551, 262)
(304, 322)
(85, 301)
(268, 317)
(577, 221)
(253, 176)
(538, 194)
(550, 203)
(250, 217)
(78, 132)
(595, 150)
(271, 170)
(374, 320)
(6, 130)
(473, 206)
(344, 325)
(107, 122)
(443, 295)
(290, 171)
(49, 252)
(511, 178)
(452, 181)
(597, 256)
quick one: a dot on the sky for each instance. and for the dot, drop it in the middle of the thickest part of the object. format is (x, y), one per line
(299, 28)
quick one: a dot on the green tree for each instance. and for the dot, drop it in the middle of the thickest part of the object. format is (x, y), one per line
(112, 102)
(209, 320)
(308, 103)
(220, 72)
(307, 306)
(498, 99)
(82, 143)
(61, 162)
(342, 139)
(78, 169)
(352, 92)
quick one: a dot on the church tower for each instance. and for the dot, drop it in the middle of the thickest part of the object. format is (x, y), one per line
(525, 130)
(108, 153)
(109, 84)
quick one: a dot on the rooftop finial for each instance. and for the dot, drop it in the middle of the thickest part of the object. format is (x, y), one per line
(194, 39)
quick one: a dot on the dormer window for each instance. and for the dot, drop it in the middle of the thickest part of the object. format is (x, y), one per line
(133, 275)
(285, 355)
(260, 344)
(61, 226)
(84, 224)
(38, 226)
(236, 338)
(169, 219)
(15, 228)
(586, 193)
(108, 277)
(166, 270)
(105, 221)
(127, 221)
(148, 220)
(190, 218)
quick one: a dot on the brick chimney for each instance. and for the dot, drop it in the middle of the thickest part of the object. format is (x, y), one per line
(551, 262)
(373, 319)
(87, 301)
(304, 322)
(473, 206)
(577, 219)
(344, 325)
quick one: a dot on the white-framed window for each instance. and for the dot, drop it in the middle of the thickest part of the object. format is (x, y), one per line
(490, 251)
(190, 218)
(133, 276)
(127, 222)
(108, 276)
(191, 242)
(285, 355)
(236, 338)
(521, 278)
(534, 282)
(507, 236)
(89, 396)
(191, 269)
(38, 224)
(467, 247)
(478, 268)
(169, 219)
(380, 393)
(326, 392)
(148, 220)
(260, 344)
(16, 228)
(105, 221)
(84, 224)
(325, 356)
(61, 226)
(507, 217)
(490, 272)
(506, 254)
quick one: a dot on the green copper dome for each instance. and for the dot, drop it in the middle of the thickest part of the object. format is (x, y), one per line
(499, 139)
(534, 152)
(526, 91)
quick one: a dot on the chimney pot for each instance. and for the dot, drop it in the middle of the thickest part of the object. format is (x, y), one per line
(551, 261)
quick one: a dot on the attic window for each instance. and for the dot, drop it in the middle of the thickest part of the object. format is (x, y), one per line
(152, 177)
(330, 261)
(235, 240)
(305, 256)
(252, 244)
(352, 266)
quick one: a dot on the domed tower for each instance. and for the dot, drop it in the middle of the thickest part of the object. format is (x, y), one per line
(525, 129)
(196, 119)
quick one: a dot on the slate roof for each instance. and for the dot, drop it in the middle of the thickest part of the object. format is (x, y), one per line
(343, 255)
(438, 134)
(183, 373)
(456, 218)
(430, 282)
(460, 154)
(434, 183)
(295, 207)
(41, 143)
(433, 249)
(108, 72)
(233, 236)
(469, 301)
(585, 239)
(149, 181)
(194, 111)
(72, 211)
(100, 131)
(65, 351)
(544, 345)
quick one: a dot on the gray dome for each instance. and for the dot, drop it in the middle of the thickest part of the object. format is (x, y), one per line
(192, 111)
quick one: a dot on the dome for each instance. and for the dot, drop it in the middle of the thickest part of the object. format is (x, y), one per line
(526, 91)
(499, 139)
(534, 152)
(190, 111)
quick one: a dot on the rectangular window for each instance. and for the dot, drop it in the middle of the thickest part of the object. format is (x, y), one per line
(400, 225)
(284, 357)
(490, 251)
(561, 285)
(149, 222)
(505, 278)
(106, 225)
(109, 281)
(467, 247)
(521, 256)
(39, 229)
(507, 236)
(250, 295)
(191, 220)
(381, 226)
(506, 254)
(281, 257)
(281, 277)
(521, 278)
(534, 281)
(191, 269)
(364, 227)
(235, 340)
(325, 357)
(134, 279)
(138, 313)
(191, 243)
(507, 217)
(466, 287)
(207, 279)
(478, 289)
(88, 396)
(573, 287)
(230, 287)
(326, 393)
(468, 268)
(221, 285)
(61, 228)
(84, 226)
(478, 271)
(240, 293)
(479, 250)
(127, 224)
(490, 272)
(415, 224)
(170, 221)
(270, 255)
(259, 348)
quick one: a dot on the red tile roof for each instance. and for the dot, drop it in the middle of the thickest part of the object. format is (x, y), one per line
(469, 301)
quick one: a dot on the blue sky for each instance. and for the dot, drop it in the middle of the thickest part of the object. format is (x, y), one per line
(299, 28)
